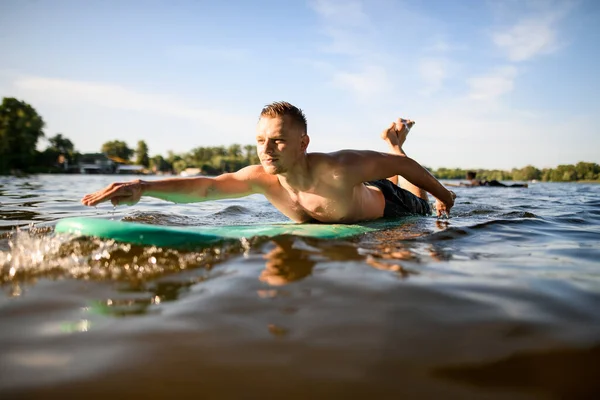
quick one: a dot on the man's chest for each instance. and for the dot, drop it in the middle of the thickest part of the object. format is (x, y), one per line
(323, 204)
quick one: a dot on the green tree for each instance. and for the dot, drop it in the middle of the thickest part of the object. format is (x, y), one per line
(59, 154)
(142, 154)
(117, 148)
(547, 174)
(530, 173)
(446, 173)
(159, 164)
(199, 154)
(220, 151)
(20, 128)
(587, 171)
(62, 146)
(172, 157)
(234, 151)
(563, 173)
(179, 166)
(527, 173)
(250, 153)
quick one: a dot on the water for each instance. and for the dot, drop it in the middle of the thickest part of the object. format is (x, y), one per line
(501, 301)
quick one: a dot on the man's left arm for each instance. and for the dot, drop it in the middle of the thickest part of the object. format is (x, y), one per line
(365, 165)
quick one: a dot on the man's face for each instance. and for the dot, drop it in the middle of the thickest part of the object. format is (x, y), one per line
(279, 143)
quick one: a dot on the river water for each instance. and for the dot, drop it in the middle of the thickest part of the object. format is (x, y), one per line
(500, 301)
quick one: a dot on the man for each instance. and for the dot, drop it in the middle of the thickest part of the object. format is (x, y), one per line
(473, 181)
(342, 187)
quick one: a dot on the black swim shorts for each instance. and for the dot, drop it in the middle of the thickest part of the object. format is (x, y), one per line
(399, 202)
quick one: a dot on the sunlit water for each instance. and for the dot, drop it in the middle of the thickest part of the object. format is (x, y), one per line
(501, 301)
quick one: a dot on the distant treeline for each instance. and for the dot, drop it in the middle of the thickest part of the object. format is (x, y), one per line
(210, 160)
(582, 171)
(21, 127)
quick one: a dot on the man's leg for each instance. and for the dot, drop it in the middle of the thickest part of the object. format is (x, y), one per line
(395, 136)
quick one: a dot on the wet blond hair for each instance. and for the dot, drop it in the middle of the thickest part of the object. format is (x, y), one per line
(282, 109)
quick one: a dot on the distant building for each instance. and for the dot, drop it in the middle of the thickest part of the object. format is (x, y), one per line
(191, 172)
(100, 163)
(117, 160)
(130, 169)
(96, 163)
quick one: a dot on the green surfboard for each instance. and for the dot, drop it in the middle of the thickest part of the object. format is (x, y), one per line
(185, 236)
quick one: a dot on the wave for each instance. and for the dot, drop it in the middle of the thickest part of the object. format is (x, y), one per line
(31, 255)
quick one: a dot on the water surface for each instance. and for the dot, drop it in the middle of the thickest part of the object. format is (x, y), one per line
(500, 301)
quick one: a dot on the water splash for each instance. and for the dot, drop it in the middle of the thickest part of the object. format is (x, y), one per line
(31, 254)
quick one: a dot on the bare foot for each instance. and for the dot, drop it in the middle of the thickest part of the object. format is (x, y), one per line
(396, 133)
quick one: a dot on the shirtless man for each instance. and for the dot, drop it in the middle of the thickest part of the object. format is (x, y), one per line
(473, 181)
(346, 186)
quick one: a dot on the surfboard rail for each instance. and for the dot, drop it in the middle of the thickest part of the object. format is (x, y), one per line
(178, 236)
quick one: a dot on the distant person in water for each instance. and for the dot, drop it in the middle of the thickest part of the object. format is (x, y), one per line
(473, 181)
(345, 186)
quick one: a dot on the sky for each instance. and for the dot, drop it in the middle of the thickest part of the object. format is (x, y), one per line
(490, 84)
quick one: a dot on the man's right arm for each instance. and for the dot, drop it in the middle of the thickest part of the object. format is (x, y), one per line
(182, 190)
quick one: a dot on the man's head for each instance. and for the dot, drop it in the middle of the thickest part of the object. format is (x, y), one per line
(471, 175)
(281, 137)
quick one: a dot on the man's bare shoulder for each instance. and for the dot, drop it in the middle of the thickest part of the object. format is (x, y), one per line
(339, 159)
(346, 168)
(333, 167)
(324, 160)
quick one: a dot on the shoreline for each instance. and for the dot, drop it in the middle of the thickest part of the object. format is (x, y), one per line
(24, 174)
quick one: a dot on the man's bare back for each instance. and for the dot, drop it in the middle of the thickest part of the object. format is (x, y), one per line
(317, 186)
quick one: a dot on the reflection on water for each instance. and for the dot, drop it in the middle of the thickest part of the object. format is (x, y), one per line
(501, 301)
(285, 263)
(18, 215)
(35, 253)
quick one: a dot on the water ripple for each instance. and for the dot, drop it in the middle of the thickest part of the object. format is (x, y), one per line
(511, 281)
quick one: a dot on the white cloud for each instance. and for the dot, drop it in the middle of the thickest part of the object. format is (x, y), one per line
(440, 45)
(534, 34)
(345, 25)
(527, 40)
(501, 138)
(492, 85)
(119, 97)
(204, 53)
(341, 12)
(348, 31)
(369, 82)
(433, 71)
(345, 42)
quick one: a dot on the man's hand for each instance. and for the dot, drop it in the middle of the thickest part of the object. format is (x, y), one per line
(443, 209)
(118, 193)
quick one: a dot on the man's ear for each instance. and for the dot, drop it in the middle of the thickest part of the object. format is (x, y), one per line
(305, 142)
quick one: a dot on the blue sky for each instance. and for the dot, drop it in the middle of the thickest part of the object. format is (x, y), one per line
(491, 84)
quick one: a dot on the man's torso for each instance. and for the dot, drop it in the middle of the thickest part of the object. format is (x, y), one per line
(326, 199)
